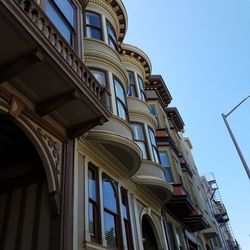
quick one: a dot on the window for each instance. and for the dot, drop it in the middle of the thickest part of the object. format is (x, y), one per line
(62, 14)
(171, 235)
(214, 242)
(93, 25)
(142, 95)
(111, 215)
(153, 145)
(166, 164)
(101, 77)
(153, 110)
(93, 187)
(132, 88)
(112, 39)
(120, 100)
(139, 138)
(125, 216)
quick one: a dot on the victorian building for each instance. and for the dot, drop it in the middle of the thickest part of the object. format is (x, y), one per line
(91, 154)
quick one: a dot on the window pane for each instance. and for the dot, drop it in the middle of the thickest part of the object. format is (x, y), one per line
(112, 44)
(109, 197)
(92, 185)
(121, 110)
(57, 20)
(67, 9)
(100, 77)
(93, 33)
(132, 91)
(119, 91)
(164, 159)
(93, 19)
(152, 137)
(131, 77)
(91, 219)
(138, 131)
(143, 149)
(140, 81)
(111, 31)
(168, 175)
(156, 158)
(153, 110)
(110, 230)
(124, 205)
(141, 86)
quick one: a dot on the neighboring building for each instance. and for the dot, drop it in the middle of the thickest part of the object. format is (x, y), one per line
(222, 236)
(91, 155)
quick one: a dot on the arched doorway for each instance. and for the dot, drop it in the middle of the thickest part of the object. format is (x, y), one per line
(25, 217)
(148, 234)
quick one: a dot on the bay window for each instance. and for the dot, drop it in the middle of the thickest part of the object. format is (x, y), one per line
(111, 213)
(93, 25)
(140, 138)
(121, 102)
(63, 14)
(112, 39)
(153, 145)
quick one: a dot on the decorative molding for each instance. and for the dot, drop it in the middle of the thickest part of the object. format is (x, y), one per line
(16, 107)
(53, 148)
(55, 202)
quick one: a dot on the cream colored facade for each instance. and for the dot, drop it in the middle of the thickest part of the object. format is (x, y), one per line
(112, 154)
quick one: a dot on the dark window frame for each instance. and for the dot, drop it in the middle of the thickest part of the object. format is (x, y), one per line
(166, 168)
(127, 221)
(116, 215)
(134, 84)
(153, 146)
(96, 205)
(142, 95)
(110, 37)
(100, 29)
(73, 29)
(117, 99)
(107, 87)
(145, 137)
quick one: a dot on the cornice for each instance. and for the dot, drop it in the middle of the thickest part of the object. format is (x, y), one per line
(140, 56)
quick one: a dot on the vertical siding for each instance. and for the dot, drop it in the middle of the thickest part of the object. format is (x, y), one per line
(25, 218)
(29, 217)
(13, 218)
(3, 198)
(44, 224)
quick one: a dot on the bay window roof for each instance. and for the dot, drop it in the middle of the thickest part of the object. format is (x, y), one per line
(175, 117)
(157, 84)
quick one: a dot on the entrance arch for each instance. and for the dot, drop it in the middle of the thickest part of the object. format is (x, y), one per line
(25, 212)
(148, 234)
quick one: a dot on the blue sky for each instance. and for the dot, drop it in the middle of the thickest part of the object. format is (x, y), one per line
(202, 50)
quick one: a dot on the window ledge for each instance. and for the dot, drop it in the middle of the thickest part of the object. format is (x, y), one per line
(93, 246)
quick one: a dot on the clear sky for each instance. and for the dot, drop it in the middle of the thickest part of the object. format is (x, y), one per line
(202, 50)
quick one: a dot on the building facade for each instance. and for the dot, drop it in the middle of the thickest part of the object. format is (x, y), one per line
(92, 156)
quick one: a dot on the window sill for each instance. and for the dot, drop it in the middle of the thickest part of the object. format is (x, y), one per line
(93, 246)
